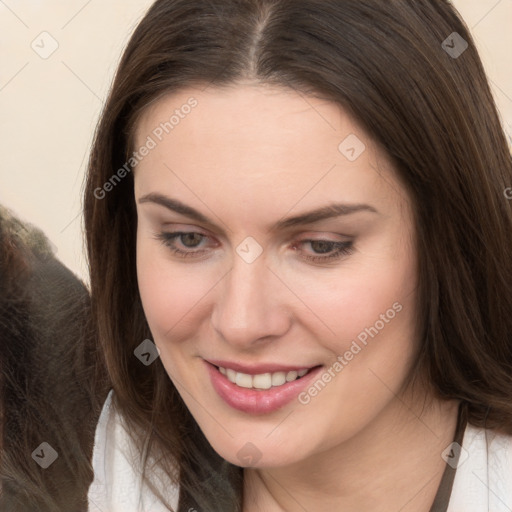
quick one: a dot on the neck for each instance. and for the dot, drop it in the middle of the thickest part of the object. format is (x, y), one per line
(394, 463)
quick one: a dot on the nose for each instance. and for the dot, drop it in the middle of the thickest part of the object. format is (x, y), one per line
(250, 307)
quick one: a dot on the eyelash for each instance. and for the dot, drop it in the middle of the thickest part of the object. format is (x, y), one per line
(341, 248)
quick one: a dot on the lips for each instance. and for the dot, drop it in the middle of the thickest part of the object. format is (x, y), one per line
(259, 401)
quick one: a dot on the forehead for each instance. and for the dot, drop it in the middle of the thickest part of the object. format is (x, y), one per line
(257, 142)
(254, 111)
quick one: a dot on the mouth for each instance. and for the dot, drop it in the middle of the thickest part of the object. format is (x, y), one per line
(260, 393)
(263, 381)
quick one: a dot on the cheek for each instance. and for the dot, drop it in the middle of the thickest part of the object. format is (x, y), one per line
(172, 295)
(378, 296)
(372, 353)
(380, 320)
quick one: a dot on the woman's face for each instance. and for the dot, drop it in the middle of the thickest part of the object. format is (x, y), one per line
(264, 279)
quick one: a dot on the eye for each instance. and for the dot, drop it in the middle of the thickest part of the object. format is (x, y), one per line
(189, 240)
(325, 250)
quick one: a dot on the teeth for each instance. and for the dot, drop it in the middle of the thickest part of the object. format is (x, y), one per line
(243, 380)
(291, 376)
(278, 378)
(263, 380)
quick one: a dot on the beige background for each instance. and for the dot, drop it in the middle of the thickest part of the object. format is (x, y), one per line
(49, 106)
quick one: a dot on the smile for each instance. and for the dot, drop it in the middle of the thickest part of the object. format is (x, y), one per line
(262, 380)
(260, 393)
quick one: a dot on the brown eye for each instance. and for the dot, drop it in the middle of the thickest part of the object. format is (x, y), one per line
(183, 243)
(191, 240)
(321, 246)
(323, 251)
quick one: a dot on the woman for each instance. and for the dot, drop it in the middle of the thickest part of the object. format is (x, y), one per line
(300, 259)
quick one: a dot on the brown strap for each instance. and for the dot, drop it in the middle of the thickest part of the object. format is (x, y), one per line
(444, 490)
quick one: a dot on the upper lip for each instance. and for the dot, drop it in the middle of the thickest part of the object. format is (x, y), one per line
(257, 369)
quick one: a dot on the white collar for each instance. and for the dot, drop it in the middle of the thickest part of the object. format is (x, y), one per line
(117, 486)
(483, 480)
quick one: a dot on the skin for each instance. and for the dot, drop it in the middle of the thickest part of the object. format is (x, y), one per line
(246, 157)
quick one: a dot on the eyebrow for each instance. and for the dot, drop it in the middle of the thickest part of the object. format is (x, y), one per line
(329, 211)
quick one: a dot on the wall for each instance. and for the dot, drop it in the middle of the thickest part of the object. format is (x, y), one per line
(49, 106)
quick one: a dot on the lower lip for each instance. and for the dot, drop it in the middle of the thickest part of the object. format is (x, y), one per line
(254, 401)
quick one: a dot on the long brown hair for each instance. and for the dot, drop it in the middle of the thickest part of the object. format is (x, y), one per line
(431, 110)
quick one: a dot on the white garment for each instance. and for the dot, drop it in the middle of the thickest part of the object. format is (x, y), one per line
(483, 480)
(116, 486)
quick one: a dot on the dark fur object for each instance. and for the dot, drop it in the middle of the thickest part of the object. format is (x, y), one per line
(52, 382)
